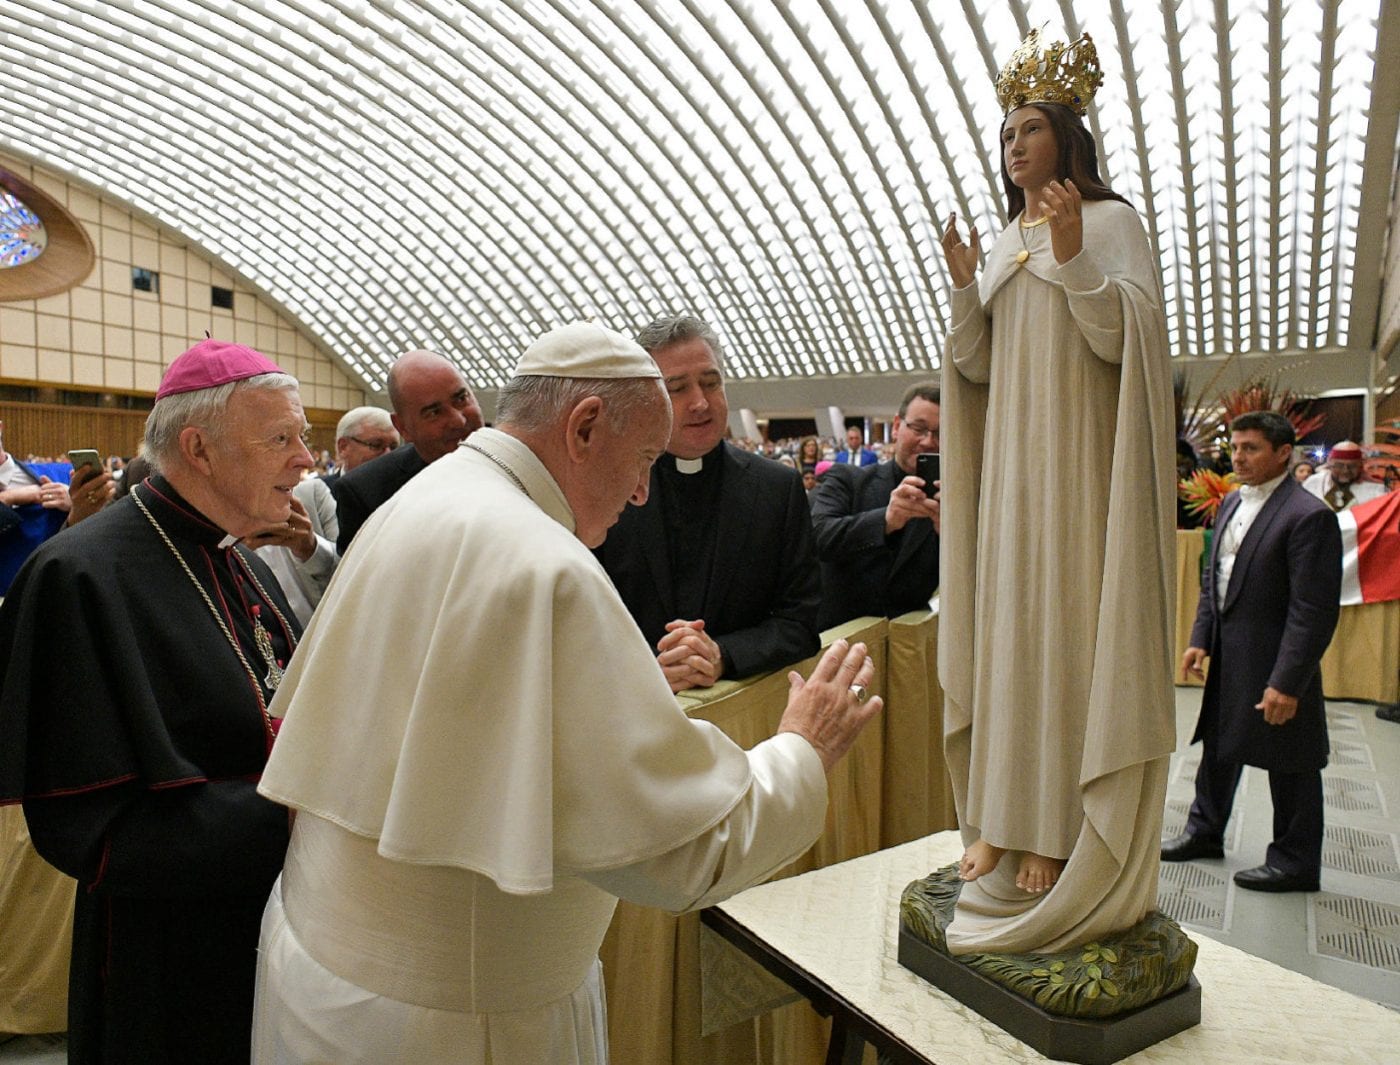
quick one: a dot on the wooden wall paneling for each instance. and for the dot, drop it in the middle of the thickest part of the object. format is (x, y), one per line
(53, 430)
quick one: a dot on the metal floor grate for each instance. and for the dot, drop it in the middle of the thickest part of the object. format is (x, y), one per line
(1355, 850)
(1350, 754)
(1184, 767)
(1352, 796)
(1357, 930)
(1174, 817)
(1192, 895)
(1344, 723)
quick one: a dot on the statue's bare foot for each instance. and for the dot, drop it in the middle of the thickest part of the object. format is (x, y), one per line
(979, 860)
(1038, 873)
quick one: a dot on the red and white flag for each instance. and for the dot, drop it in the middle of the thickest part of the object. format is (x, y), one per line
(1371, 550)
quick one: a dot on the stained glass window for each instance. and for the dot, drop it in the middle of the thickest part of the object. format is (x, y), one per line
(22, 235)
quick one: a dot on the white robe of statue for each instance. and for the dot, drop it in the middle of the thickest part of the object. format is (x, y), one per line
(1056, 580)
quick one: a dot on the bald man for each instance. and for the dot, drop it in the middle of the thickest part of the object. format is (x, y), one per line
(434, 411)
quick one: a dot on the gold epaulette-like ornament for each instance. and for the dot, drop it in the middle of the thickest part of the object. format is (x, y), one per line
(1062, 73)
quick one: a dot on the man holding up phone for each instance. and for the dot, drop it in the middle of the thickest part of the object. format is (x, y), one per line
(877, 526)
(91, 487)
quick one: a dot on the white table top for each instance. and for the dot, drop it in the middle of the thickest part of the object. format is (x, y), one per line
(839, 924)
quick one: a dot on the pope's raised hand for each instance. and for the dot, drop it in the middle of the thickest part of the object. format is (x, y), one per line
(827, 709)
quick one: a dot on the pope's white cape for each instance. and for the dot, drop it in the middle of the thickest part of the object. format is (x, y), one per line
(434, 692)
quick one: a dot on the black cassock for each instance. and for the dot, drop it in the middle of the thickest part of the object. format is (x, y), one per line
(133, 735)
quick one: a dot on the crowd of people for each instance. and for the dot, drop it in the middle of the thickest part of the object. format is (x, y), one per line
(723, 563)
(229, 543)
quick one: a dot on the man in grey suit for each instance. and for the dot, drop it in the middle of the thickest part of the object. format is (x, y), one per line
(1267, 611)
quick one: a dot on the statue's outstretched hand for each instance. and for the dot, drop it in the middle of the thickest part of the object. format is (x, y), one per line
(961, 256)
(1063, 206)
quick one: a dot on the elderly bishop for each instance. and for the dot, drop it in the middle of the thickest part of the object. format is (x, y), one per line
(137, 752)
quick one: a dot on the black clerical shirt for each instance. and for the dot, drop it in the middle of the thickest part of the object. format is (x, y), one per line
(730, 545)
(689, 502)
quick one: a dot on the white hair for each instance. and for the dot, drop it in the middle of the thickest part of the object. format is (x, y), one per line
(204, 408)
(533, 402)
(352, 421)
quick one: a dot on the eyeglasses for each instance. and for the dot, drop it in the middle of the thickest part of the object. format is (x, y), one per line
(921, 430)
(373, 445)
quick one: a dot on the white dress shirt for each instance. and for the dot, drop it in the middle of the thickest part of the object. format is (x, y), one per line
(1252, 500)
(12, 475)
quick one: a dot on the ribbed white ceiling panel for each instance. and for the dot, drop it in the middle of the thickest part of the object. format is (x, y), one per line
(462, 175)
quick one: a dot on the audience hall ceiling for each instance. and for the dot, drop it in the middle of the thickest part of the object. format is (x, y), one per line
(463, 174)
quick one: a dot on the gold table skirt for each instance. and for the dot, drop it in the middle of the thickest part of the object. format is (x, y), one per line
(36, 933)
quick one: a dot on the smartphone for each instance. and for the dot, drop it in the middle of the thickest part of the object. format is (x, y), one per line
(85, 456)
(926, 466)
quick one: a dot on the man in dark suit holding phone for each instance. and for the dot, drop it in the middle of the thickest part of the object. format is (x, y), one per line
(877, 526)
(1267, 612)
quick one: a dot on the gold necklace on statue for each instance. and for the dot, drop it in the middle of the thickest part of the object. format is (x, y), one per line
(1025, 253)
(261, 638)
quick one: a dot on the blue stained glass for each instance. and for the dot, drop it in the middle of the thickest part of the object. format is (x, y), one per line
(22, 236)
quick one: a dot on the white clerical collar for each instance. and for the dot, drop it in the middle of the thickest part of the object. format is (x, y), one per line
(1257, 493)
(690, 465)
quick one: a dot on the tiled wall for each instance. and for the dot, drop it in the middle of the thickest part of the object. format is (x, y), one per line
(103, 334)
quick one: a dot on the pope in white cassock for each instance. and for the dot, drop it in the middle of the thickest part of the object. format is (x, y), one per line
(484, 755)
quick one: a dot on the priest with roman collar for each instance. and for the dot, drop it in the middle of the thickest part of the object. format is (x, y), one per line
(719, 566)
(136, 749)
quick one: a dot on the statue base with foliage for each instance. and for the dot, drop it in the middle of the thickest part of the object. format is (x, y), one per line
(1093, 1004)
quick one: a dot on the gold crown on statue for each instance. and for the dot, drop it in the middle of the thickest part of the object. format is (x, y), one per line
(1062, 73)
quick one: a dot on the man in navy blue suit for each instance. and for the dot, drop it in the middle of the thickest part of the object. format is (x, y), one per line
(1267, 612)
(877, 527)
(856, 453)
